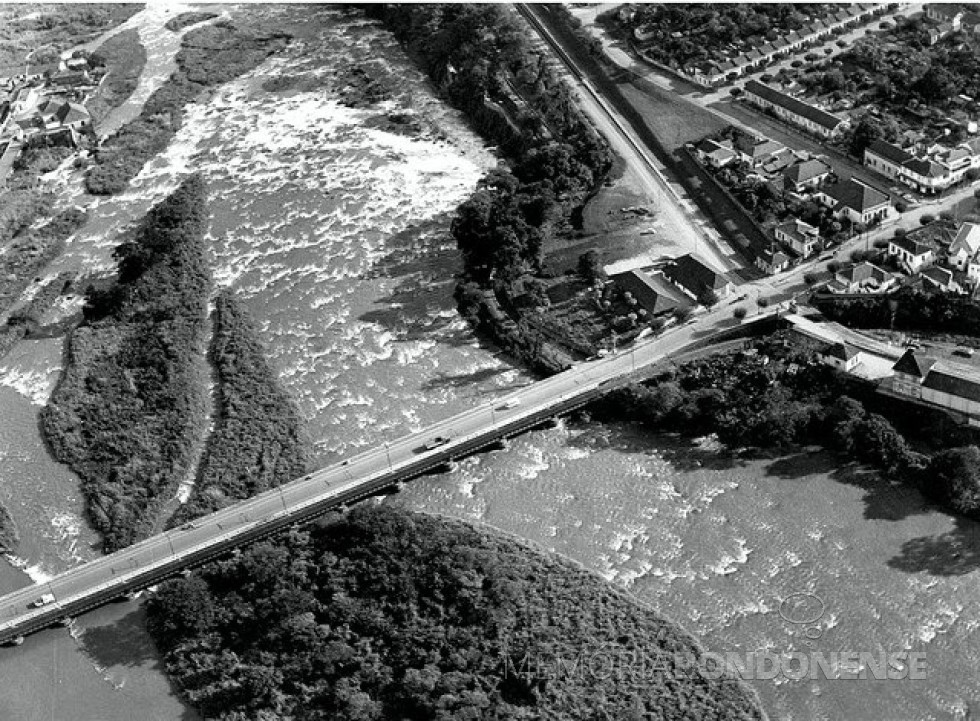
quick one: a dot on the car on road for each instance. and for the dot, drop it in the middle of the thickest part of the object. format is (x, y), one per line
(964, 352)
(510, 403)
(44, 600)
(436, 442)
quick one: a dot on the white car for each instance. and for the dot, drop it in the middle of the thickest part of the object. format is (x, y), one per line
(510, 403)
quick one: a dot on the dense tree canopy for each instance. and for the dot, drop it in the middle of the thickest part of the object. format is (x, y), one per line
(384, 614)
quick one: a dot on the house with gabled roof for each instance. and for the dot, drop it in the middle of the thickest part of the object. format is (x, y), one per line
(806, 174)
(803, 115)
(936, 278)
(912, 254)
(855, 200)
(863, 277)
(695, 278)
(715, 154)
(756, 150)
(948, 385)
(964, 251)
(651, 290)
(842, 356)
(773, 260)
(801, 237)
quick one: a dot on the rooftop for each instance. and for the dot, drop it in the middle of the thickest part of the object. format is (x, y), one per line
(797, 107)
(856, 195)
(914, 364)
(806, 171)
(693, 275)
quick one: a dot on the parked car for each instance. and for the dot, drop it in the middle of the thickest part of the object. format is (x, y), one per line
(964, 352)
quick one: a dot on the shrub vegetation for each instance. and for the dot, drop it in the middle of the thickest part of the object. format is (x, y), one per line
(386, 614)
(132, 398)
(123, 57)
(258, 440)
(186, 19)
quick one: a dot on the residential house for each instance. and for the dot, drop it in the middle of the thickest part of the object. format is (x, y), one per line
(695, 278)
(806, 174)
(803, 115)
(934, 170)
(756, 150)
(801, 237)
(842, 356)
(945, 13)
(50, 116)
(773, 260)
(952, 386)
(778, 161)
(651, 290)
(942, 279)
(855, 200)
(717, 155)
(964, 251)
(861, 277)
(913, 255)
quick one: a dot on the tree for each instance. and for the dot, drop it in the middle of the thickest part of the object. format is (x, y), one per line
(809, 278)
(926, 219)
(833, 266)
(709, 299)
(865, 132)
(740, 313)
(762, 302)
(682, 313)
(590, 267)
(953, 475)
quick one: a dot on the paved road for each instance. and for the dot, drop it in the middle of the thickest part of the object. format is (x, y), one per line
(675, 209)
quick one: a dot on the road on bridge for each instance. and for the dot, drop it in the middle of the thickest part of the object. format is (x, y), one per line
(97, 582)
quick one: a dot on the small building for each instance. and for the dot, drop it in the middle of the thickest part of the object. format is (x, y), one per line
(773, 260)
(964, 251)
(695, 278)
(861, 277)
(803, 115)
(937, 278)
(806, 174)
(913, 255)
(651, 290)
(801, 237)
(715, 154)
(842, 356)
(756, 150)
(856, 201)
(951, 386)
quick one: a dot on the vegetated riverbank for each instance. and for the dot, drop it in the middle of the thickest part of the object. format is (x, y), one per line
(132, 397)
(778, 395)
(384, 614)
(258, 440)
(123, 57)
(45, 31)
(186, 19)
(32, 251)
(209, 56)
(482, 60)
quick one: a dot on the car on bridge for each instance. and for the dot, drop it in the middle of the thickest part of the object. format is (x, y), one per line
(510, 403)
(44, 600)
(436, 442)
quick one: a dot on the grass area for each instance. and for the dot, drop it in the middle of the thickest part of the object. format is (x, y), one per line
(132, 400)
(9, 538)
(124, 58)
(45, 30)
(186, 19)
(209, 56)
(673, 120)
(29, 254)
(258, 440)
(386, 614)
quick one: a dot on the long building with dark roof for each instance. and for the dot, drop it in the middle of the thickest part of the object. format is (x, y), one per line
(952, 386)
(803, 115)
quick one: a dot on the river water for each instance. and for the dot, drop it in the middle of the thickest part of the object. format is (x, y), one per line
(333, 230)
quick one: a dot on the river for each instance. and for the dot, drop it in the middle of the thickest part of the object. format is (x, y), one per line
(333, 230)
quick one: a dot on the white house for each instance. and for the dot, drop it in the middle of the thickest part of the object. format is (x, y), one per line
(801, 237)
(913, 255)
(964, 251)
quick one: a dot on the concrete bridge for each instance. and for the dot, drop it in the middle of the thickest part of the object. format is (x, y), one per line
(97, 582)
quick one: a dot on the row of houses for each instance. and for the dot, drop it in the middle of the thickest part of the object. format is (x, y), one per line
(929, 170)
(810, 118)
(714, 73)
(801, 176)
(681, 283)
